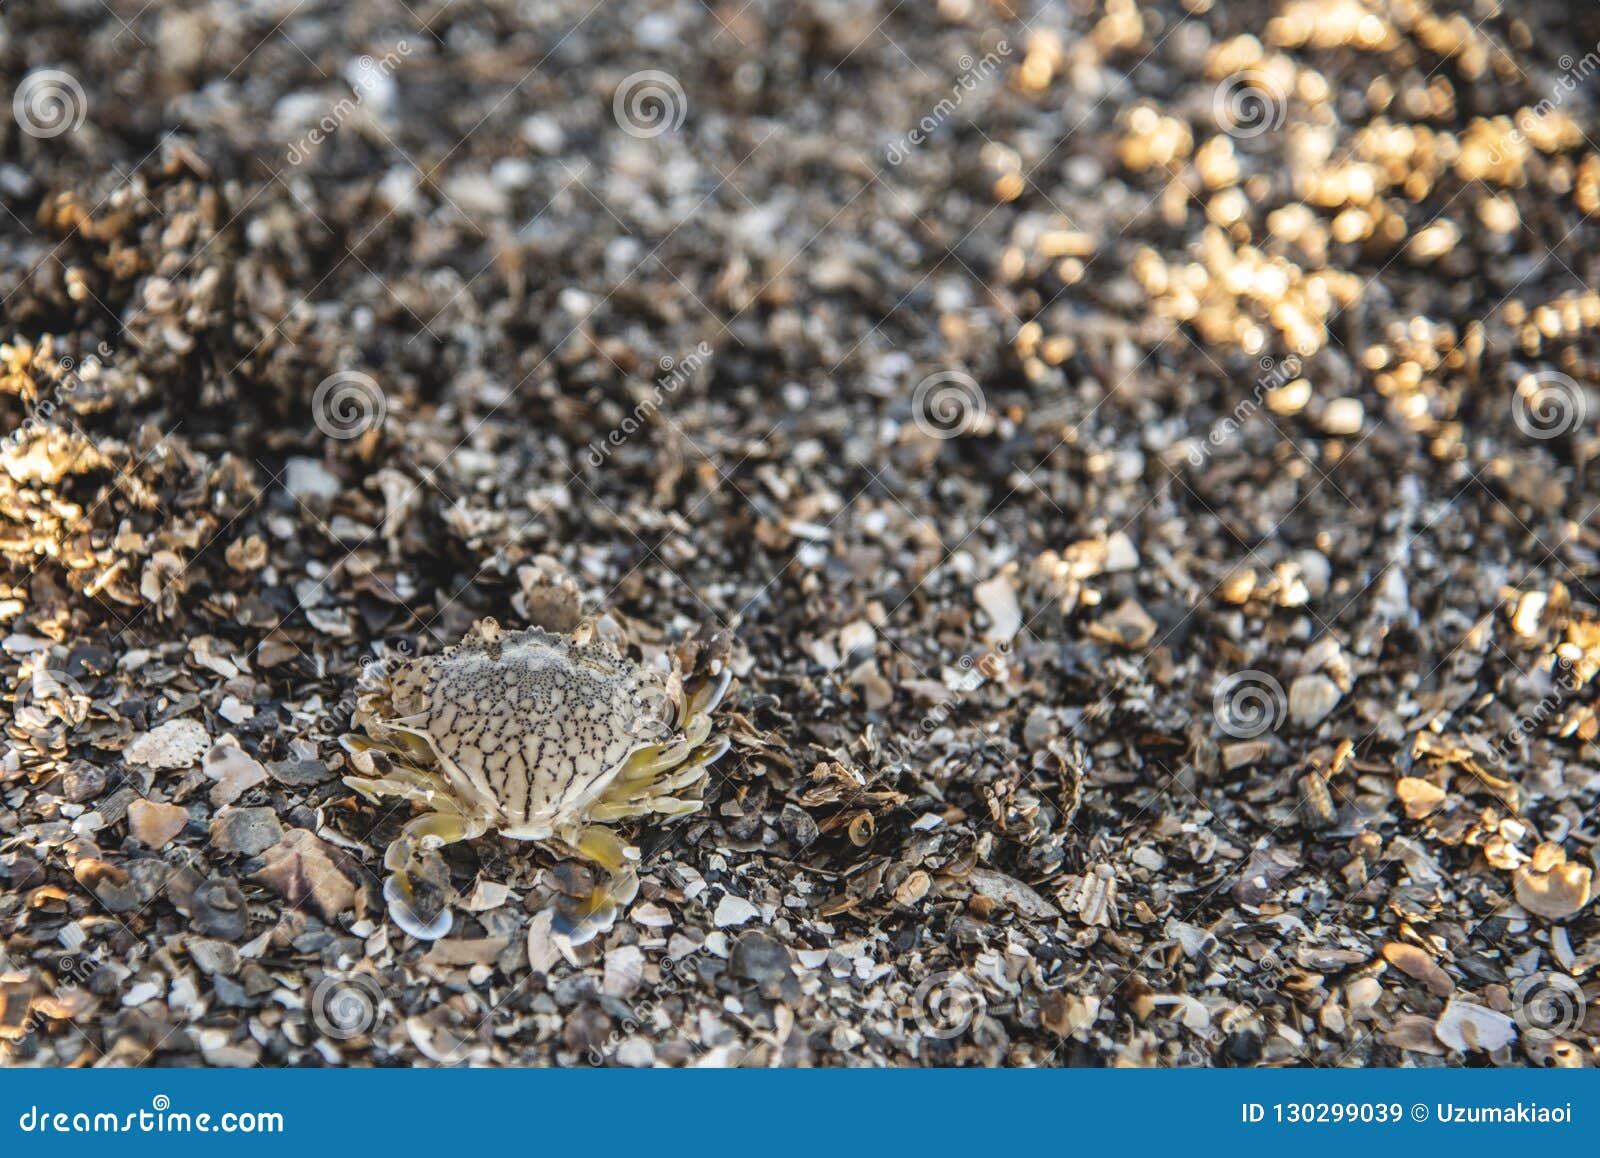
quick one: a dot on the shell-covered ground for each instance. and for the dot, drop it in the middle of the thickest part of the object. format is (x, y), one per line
(1142, 450)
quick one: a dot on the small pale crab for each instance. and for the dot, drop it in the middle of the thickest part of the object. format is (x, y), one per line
(542, 737)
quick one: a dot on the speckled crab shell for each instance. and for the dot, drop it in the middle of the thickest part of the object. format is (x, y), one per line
(538, 737)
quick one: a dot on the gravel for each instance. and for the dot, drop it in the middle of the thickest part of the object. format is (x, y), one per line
(1141, 450)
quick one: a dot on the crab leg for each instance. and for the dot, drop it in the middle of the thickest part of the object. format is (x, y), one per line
(585, 917)
(428, 831)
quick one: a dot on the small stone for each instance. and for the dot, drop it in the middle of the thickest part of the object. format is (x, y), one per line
(238, 1055)
(1238, 586)
(1420, 797)
(758, 957)
(245, 831)
(83, 782)
(1413, 1032)
(1011, 893)
(140, 992)
(175, 744)
(636, 1053)
(16, 1005)
(732, 910)
(307, 478)
(1311, 698)
(796, 824)
(1067, 1014)
(1121, 554)
(299, 773)
(1129, 626)
(1259, 878)
(301, 869)
(1344, 416)
(650, 915)
(154, 824)
(1529, 614)
(213, 956)
(234, 710)
(217, 909)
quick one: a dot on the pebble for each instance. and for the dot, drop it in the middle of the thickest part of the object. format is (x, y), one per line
(650, 915)
(1419, 797)
(1121, 554)
(213, 956)
(757, 956)
(154, 824)
(140, 992)
(636, 1053)
(1311, 698)
(217, 909)
(1130, 626)
(245, 831)
(299, 773)
(234, 710)
(1344, 416)
(306, 478)
(83, 782)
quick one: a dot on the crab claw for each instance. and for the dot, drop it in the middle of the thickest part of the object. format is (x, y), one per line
(588, 908)
(416, 899)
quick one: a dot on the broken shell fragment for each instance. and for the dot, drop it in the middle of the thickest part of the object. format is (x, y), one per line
(1551, 886)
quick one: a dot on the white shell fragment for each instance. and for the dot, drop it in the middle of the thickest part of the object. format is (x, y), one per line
(1467, 1026)
(174, 744)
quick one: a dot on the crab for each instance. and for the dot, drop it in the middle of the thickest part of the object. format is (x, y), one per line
(542, 737)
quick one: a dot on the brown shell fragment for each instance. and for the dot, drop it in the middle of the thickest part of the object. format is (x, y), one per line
(1551, 886)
